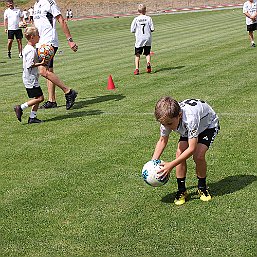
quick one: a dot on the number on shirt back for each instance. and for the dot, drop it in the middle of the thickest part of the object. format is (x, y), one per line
(193, 102)
(143, 27)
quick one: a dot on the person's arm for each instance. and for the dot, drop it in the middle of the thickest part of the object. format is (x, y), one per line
(160, 146)
(168, 166)
(252, 17)
(66, 32)
(6, 25)
(133, 26)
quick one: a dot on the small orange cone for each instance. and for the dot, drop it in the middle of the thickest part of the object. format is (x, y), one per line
(110, 85)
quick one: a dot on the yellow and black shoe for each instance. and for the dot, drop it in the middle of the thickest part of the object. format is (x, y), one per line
(181, 197)
(204, 194)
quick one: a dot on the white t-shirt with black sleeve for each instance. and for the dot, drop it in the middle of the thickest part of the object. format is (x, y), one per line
(197, 116)
(45, 12)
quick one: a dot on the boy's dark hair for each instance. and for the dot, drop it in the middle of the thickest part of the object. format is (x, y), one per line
(166, 108)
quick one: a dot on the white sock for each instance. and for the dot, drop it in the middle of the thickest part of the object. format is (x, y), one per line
(33, 114)
(24, 106)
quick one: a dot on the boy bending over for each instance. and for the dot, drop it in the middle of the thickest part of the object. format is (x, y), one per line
(198, 125)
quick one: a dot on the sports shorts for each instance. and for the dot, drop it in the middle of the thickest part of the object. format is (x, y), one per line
(146, 49)
(206, 137)
(17, 33)
(34, 92)
(251, 27)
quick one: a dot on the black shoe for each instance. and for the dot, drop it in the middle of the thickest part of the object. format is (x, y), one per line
(48, 105)
(18, 112)
(253, 45)
(34, 120)
(9, 55)
(70, 98)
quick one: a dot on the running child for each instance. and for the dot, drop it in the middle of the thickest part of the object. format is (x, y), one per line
(143, 27)
(30, 77)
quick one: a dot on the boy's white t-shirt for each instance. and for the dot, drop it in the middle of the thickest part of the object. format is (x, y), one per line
(14, 16)
(31, 11)
(251, 8)
(142, 26)
(30, 75)
(45, 12)
(197, 116)
(25, 14)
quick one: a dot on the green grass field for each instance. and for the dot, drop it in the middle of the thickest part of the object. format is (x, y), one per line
(72, 186)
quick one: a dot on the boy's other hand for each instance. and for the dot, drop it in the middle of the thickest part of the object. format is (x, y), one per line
(73, 46)
(165, 170)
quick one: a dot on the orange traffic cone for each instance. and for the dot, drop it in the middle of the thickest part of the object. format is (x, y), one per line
(110, 85)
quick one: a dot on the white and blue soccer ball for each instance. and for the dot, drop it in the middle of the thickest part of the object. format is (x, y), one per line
(150, 176)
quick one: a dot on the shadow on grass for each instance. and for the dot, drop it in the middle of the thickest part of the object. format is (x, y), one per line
(75, 115)
(168, 68)
(225, 186)
(231, 184)
(97, 99)
(10, 74)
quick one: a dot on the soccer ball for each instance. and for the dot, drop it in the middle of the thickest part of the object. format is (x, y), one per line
(150, 176)
(45, 52)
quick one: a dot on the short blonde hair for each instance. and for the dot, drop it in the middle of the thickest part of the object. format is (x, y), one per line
(166, 108)
(30, 31)
(141, 8)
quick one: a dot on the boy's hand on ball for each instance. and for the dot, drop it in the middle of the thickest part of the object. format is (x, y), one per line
(166, 169)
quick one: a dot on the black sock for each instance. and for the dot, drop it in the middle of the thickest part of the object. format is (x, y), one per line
(201, 183)
(181, 184)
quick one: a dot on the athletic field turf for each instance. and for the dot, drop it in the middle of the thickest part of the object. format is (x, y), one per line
(72, 186)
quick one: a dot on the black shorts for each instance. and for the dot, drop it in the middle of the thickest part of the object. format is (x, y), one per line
(18, 34)
(251, 27)
(206, 137)
(30, 18)
(34, 92)
(51, 63)
(139, 50)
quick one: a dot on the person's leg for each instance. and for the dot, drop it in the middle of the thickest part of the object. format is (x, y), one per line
(251, 37)
(148, 64)
(201, 171)
(46, 73)
(51, 102)
(200, 161)
(70, 94)
(147, 50)
(33, 114)
(19, 41)
(51, 89)
(9, 47)
(137, 60)
(36, 97)
(181, 171)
